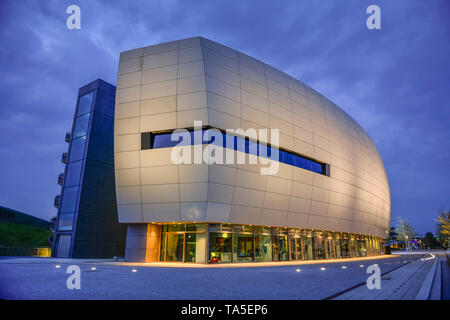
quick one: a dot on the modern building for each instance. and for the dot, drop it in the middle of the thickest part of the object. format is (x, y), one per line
(87, 221)
(329, 198)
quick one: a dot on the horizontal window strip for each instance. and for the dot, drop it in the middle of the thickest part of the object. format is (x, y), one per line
(151, 140)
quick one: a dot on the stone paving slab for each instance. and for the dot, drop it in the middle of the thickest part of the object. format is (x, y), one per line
(436, 289)
(400, 284)
(28, 279)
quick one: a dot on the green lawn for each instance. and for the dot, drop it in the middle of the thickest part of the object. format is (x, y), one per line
(19, 235)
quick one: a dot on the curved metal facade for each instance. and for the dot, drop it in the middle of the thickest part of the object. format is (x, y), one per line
(169, 86)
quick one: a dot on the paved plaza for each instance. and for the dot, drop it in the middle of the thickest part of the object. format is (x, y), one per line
(45, 278)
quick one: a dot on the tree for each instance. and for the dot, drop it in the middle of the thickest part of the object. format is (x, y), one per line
(392, 236)
(443, 221)
(430, 241)
(404, 230)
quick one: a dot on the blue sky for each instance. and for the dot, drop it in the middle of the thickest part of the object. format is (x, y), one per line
(394, 81)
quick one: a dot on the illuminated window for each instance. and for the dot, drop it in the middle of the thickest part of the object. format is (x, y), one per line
(163, 140)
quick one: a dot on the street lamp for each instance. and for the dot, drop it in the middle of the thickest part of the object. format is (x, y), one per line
(406, 243)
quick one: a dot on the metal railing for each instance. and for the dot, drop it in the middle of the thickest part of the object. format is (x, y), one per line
(65, 158)
(61, 179)
(57, 201)
(25, 252)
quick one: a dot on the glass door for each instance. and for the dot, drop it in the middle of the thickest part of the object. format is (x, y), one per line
(337, 247)
(362, 247)
(280, 250)
(345, 247)
(329, 246)
(293, 251)
(353, 248)
(298, 248)
(190, 247)
(243, 248)
(319, 245)
(220, 245)
(174, 247)
(263, 247)
(308, 244)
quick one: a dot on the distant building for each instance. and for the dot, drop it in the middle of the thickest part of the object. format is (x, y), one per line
(87, 221)
(13, 216)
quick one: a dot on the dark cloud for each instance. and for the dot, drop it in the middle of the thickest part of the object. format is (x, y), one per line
(394, 81)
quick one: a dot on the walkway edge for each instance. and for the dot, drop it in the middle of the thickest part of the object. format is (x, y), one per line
(364, 282)
(425, 288)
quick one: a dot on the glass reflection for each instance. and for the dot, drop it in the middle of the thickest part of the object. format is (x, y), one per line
(69, 199)
(196, 227)
(162, 252)
(362, 247)
(243, 247)
(77, 149)
(73, 174)
(81, 126)
(263, 246)
(337, 246)
(85, 103)
(345, 247)
(183, 243)
(279, 247)
(308, 246)
(65, 221)
(174, 227)
(296, 249)
(319, 245)
(220, 245)
(174, 251)
(195, 247)
(353, 247)
(329, 246)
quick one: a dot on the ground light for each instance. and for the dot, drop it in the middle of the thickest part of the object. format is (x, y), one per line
(298, 270)
(361, 265)
(57, 266)
(133, 270)
(344, 267)
(323, 268)
(93, 268)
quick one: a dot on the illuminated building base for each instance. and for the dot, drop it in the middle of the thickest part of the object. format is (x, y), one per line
(226, 243)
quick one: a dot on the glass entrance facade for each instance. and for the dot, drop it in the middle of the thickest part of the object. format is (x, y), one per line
(226, 243)
(183, 243)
